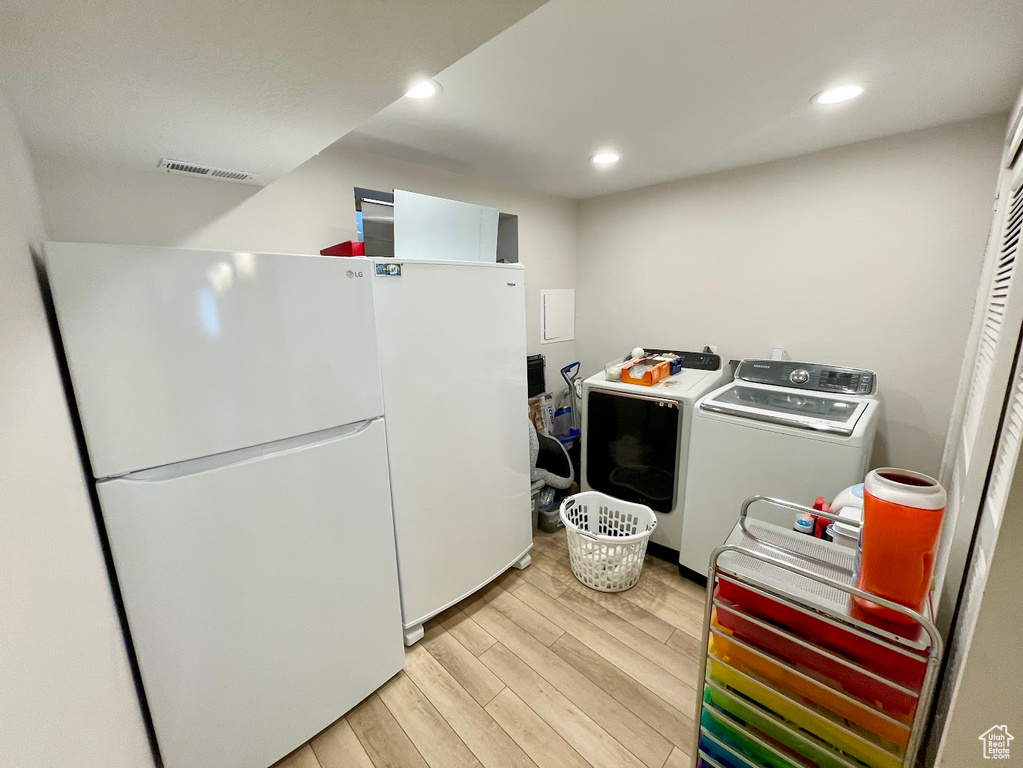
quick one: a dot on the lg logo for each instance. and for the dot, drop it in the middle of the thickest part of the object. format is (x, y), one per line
(352, 273)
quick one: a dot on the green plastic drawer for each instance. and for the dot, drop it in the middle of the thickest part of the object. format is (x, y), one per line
(813, 749)
(802, 716)
(719, 726)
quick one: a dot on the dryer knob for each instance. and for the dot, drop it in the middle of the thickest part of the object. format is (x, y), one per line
(799, 376)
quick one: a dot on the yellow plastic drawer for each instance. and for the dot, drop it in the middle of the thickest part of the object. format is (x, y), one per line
(804, 716)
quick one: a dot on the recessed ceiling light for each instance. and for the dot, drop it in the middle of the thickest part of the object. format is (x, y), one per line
(424, 89)
(838, 94)
(605, 158)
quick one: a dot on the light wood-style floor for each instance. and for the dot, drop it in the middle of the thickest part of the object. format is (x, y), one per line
(536, 670)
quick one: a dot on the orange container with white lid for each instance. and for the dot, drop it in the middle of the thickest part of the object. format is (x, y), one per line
(902, 513)
(646, 371)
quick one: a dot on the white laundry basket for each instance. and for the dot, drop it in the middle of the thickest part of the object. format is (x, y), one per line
(607, 539)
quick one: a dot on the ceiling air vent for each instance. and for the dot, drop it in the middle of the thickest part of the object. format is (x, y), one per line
(206, 171)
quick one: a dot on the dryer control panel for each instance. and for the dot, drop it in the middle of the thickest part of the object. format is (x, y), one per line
(700, 361)
(808, 376)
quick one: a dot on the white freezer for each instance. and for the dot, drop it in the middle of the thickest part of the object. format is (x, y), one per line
(261, 592)
(452, 340)
(176, 354)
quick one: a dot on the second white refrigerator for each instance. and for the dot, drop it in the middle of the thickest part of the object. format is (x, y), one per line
(452, 341)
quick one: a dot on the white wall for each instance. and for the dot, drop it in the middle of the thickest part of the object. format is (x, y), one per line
(66, 692)
(866, 255)
(306, 210)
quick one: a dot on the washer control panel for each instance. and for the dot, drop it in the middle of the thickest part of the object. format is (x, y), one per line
(809, 376)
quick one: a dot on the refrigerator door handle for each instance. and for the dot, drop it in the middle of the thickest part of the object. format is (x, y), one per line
(243, 455)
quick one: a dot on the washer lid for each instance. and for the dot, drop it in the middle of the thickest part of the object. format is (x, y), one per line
(820, 413)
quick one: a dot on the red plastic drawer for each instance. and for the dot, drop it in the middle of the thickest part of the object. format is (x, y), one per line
(899, 703)
(882, 659)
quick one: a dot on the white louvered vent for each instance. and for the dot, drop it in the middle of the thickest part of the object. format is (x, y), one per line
(994, 315)
(206, 171)
(1006, 453)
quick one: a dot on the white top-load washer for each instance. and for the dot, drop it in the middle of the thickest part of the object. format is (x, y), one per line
(636, 439)
(785, 429)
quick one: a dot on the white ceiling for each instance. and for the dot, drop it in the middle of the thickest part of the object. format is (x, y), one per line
(256, 85)
(684, 88)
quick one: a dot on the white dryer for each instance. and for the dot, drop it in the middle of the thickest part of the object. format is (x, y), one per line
(785, 429)
(636, 440)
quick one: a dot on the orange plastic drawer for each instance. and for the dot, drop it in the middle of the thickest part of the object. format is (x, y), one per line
(802, 685)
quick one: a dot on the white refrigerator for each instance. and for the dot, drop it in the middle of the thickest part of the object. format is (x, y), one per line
(232, 411)
(452, 338)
